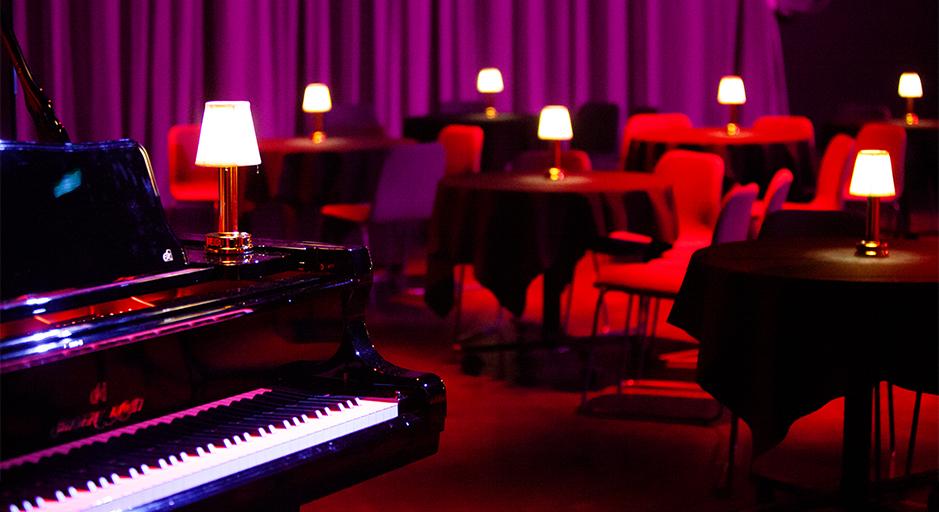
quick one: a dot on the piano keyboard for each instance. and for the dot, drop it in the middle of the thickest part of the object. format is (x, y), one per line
(139, 464)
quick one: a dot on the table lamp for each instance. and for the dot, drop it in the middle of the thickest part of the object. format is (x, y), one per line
(489, 82)
(227, 141)
(910, 87)
(316, 101)
(554, 124)
(873, 179)
(730, 92)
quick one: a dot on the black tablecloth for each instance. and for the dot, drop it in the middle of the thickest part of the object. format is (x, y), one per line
(787, 325)
(504, 136)
(748, 157)
(514, 226)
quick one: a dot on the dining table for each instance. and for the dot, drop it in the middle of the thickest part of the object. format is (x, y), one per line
(514, 226)
(749, 156)
(505, 136)
(787, 325)
(302, 175)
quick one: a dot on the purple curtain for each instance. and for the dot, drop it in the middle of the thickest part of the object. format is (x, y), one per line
(120, 68)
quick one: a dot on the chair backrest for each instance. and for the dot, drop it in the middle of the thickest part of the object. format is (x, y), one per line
(573, 160)
(797, 126)
(696, 180)
(777, 190)
(463, 148)
(352, 120)
(596, 127)
(889, 137)
(638, 123)
(187, 181)
(408, 182)
(834, 171)
(812, 223)
(733, 223)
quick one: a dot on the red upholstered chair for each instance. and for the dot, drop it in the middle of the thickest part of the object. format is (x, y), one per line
(661, 278)
(188, 182)
(889, 137)
(638, 123)
(799, 126)
(773, 199)
(463, 148)
(574, 160)
(834, 173)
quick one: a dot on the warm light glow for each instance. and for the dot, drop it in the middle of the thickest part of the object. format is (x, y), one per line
(910, 86)
(873, 174)
(227, 138)
(316, 98)
(555, 123)
(731, 91)
(489, 80)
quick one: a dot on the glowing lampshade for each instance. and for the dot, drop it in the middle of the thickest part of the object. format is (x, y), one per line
(316, 98)
(227, 141)
(873, 179)
(554, 123)
(489, 80)
(910, 86)
(227, 138)
(873, 174)
(730, 91)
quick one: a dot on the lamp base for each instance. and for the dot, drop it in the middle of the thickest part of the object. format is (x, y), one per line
(732, 129)
(911, 119)
(872, 249)
(490, 112)
(228, 243)
(554, 174)
(319, 136)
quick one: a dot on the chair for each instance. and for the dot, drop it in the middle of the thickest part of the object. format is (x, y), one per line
(573, 160)
(892, 138)
(646, 122)
(596, 127)
(798, 126)
(834, 173)
(661, 278)
(773, 199)
(463, 148)
(405, 191)
(188, 182)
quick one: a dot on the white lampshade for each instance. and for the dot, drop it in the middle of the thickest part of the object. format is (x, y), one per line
(227, 138)
(910, 86)
(554, 123)
(489, 80)
(316, 98)
(873, 174)
(731, 91)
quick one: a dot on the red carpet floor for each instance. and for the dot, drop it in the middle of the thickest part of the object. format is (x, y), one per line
(525, 448)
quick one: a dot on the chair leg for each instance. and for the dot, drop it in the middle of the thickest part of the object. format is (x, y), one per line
(877, 432)
(588, 365)
(642, 330)
(363, 229)
(891, 435)
(913, 427)
(458, 303)
(728, 481)
(625, 348)
(605, 312)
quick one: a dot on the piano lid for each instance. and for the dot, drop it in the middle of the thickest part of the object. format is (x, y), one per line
(76, 215)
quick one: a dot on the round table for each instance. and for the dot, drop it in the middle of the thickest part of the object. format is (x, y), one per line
(515, 226)
(749, 156)
(787, 325)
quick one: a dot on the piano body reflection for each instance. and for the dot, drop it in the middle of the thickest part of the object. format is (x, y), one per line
(137, 375)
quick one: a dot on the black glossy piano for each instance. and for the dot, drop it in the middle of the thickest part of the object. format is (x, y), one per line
(135, 374)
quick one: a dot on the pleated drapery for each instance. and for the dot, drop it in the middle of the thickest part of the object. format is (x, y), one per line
(122, 68)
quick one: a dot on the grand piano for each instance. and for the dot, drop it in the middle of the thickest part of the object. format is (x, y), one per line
(138, 374)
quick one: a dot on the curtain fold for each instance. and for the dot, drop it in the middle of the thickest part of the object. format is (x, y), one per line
(121, 68)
